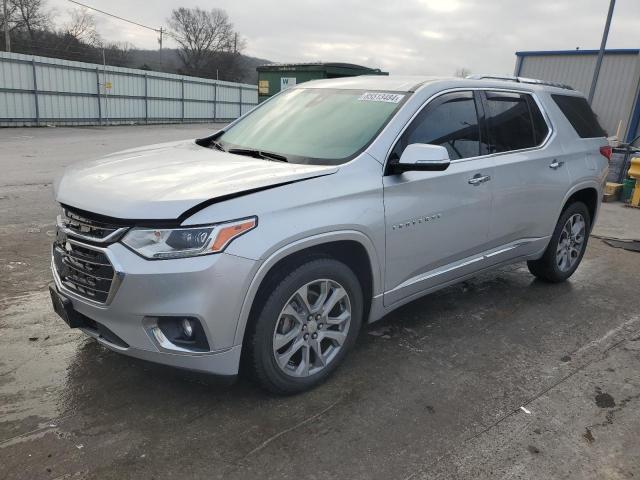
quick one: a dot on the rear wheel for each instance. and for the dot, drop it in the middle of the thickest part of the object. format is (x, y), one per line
(307, 325)
(566, 247)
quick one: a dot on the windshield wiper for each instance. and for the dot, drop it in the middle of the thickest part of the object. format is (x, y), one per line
(259, 154)
(217, 145)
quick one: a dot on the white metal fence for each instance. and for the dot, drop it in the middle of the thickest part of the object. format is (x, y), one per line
(44, 91)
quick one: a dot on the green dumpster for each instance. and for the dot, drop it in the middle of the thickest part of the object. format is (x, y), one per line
(280, 76)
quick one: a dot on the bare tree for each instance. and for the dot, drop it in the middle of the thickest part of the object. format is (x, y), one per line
(239, 44)
(82, 27)
(119, 53)
(11, 13)
(30, 15)
(462, 72)
(200, 34)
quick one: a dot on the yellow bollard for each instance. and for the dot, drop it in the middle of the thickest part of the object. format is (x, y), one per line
(634, 172)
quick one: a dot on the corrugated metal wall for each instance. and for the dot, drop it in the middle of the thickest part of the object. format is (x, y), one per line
(617, 88)
(42, 91)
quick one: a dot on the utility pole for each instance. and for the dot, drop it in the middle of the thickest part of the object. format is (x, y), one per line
(603, 44)
(7, 38)
(235, 43)
(160, 42)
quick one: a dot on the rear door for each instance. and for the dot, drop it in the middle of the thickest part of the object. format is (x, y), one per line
(531, 178)
(435, 219)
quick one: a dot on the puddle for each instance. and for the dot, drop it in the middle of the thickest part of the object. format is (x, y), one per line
(33, 373)
(604, 400)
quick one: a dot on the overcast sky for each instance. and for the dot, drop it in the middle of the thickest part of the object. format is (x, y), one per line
(403, 37)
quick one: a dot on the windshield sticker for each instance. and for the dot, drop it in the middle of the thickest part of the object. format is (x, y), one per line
(381, 97)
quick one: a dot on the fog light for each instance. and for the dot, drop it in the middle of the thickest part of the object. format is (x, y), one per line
(185, 333)
(187, 328)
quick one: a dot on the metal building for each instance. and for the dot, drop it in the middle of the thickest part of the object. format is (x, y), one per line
(280, 76)
(617, 96)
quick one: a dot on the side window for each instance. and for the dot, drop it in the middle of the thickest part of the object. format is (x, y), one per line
(540, 127)
(451, 121)
(512, 124)
(580, 115)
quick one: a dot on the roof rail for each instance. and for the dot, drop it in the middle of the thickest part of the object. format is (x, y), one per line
(512, 78)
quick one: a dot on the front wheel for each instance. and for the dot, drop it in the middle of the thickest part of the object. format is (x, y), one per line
(307, 324)
(566, 247)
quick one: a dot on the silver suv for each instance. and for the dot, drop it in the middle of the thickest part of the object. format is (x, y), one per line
(272, 241)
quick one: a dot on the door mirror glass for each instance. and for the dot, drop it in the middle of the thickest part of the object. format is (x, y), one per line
(422, 157)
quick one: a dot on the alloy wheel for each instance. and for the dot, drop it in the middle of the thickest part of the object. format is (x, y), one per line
(571, 242)
(312, 328)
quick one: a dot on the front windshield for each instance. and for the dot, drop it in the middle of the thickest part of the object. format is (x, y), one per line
(314, 125)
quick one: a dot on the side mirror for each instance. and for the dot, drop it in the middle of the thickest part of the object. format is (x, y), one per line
(422, 157)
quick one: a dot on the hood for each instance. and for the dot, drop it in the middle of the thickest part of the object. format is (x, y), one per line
(163, 181)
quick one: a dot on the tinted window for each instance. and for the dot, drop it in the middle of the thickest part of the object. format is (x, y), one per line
(540, 127)
(511, 124)
(450, 121)
(580, 115)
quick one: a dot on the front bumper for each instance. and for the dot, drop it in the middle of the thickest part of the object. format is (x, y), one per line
(210, 288)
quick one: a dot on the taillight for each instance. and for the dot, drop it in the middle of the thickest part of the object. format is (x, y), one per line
(606, 152)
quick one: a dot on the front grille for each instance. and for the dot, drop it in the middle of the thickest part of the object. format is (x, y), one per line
(83, 270)
(81, 267)
(89, 229)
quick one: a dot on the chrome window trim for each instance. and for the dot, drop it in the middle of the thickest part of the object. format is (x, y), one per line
(551, 128)
(116, 281)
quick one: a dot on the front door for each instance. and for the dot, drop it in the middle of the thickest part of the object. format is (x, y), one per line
(437, 221)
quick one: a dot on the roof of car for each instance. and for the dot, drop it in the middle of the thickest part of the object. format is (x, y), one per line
(394, 83)
(318, 66)
(399, 83)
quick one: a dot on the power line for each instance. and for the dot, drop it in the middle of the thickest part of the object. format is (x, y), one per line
(162, 31)
(116, 16)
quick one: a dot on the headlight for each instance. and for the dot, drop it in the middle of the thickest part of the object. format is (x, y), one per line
(161, 243)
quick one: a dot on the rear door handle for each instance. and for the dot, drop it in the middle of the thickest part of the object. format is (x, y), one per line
(556, 164)
(478, 179)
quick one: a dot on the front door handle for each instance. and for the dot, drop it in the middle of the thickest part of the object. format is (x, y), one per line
(478, 179)
(556, 164)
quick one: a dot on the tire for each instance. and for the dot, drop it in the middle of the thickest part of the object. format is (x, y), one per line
(553, 267)
(284, 317)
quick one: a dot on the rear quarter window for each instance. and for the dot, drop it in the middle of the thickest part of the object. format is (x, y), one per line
(580, 116)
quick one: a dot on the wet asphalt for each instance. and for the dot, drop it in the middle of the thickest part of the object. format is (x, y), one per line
(499, 377)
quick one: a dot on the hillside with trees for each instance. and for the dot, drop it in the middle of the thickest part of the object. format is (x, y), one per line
(207, 43)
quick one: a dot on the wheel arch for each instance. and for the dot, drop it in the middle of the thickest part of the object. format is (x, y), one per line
(353, 248)
(587, 193)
